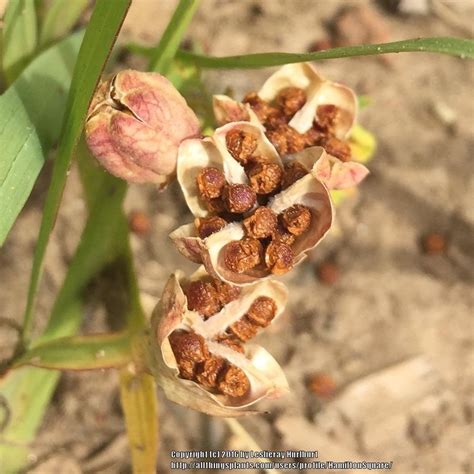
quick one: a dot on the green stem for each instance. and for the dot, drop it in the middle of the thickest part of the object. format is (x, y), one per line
(452, 46)
(164, 53)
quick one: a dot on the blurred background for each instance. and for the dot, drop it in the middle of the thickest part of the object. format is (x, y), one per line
(377, 339)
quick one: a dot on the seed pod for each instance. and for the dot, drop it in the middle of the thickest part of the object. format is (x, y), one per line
(135, 125)
(246, 378)
(227, 110)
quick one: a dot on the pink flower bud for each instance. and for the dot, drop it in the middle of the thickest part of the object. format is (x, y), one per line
(135, 125)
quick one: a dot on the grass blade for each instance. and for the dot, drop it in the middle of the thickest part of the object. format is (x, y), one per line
(98, 40)
(19, 37)
(31, 113)
(163, 54)
(463, 48)
(60, 17)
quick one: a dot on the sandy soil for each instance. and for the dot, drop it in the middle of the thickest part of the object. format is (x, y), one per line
(395, 332)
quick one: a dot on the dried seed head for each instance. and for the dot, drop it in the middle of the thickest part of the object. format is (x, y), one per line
(207, 226)
(293, 172)
(290, 100)
(243, 329)
(261, 224)
(207, 372)
(203, 298)
(239, 198)
(265, 177)
(243, 255)
(338, 148)
(210, 182)
(231, 341)
(279, 257)
(188, 348)
(261, 108)
(241, 145)
(286, 140)
(262, 311)
(296, 219)
(226, 292)
(233, 382)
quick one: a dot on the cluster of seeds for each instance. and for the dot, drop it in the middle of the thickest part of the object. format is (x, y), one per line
(277, 115)
(207, 296)
(269, 236)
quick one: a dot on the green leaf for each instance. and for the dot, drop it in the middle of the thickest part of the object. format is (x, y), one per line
(60, 17)
(31, 113)
(98, 41)
(98, 351)
(463, 48)
(19, 37)
(163, 55)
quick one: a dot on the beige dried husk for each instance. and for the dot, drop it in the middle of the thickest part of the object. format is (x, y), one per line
(266, 377)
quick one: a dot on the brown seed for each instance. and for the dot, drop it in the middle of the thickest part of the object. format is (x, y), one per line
(322, 385)
(286, 140)
(239, 198)
(261, 108)
(326, 116)
(296, 219)
(282, 235)
(210, 182)
(290, 100)
(188, 348)
(225, 292)
(207, 226)
(279, 257)
(434, 244)
(262, 311)
(139, 223)
(293, 172)
(328, 273)
(243, 255)
(208, 371)
(231, 341)
(275, 119)
(243, 329)
(203, 298)
(261, 224)
(233, 382)
(215, 206)
(265, 177)
(337, 148)
(241, 145)
(313, 137)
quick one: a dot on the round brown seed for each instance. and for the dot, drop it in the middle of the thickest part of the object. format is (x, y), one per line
(290, 100)
(207, 226)
(225, 292)
(243, 255)
(239, 198)
(261, 108)
(243, 329)
(337, 148)
(265, 177)
(188, 348)
(231, 341)
(326, 116)
(296, 219)
(233, 382)
(261, 224)
(286, 139)
(279, 257)
(210, 182)
(293, 172)
(207, 373)
(262, 311)
(203, 298)
(241, 145)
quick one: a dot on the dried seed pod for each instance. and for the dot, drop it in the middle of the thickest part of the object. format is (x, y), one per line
(202, 297)
(265, 178)
(227, 110)
(210, 182)
(319, 92)
(241, 144)
(239, 198)
(207, 226)
(135, 125)
(223, 391)
(296, 219)
(243, 255)
(261, 224)
(290, 100)
(294, 170)
(262, 311)
(279, 257)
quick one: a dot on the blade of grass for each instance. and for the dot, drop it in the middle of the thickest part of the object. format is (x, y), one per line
(163, 54)
(463, 48)
(60, 17)
(31, 113)
(19, 37)
(98, 40)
